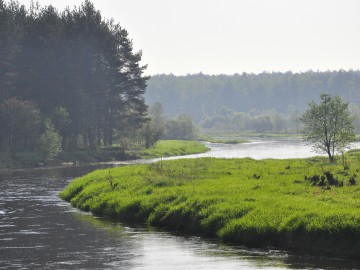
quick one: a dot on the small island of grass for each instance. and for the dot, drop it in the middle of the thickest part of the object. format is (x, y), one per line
(303, 205)
(167, 148)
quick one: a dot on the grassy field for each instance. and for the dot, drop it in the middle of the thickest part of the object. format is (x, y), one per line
(167, 148)
(306, 205)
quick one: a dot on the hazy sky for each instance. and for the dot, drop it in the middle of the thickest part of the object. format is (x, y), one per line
(235, 36)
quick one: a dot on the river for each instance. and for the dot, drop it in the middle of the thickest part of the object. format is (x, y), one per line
(40, 231)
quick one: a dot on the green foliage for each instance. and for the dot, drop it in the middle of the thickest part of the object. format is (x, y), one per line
(240, 102)
(62, 121)
(20, 123)
(180, 128)
(76, 67)
(221, 198)
(328, 125)
(154, 128)
(166, 148)
(49, 141)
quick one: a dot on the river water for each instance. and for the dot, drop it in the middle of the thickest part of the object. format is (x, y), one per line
(40, 231)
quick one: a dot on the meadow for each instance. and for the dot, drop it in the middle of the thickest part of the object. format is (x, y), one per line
(303, 205)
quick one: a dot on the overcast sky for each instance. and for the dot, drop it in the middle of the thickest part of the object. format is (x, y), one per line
(235, 36)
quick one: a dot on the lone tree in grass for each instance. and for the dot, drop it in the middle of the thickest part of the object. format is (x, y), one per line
(328, 125)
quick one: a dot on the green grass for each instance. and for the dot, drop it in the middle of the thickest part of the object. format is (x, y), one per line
(242, 201)
(167, 148)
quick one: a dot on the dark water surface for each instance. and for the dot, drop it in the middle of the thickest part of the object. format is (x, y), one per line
(39, 231)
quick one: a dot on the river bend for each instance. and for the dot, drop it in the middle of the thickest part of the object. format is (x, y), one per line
(40, 231)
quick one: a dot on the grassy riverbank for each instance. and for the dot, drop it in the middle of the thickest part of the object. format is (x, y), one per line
(304, 205)
(167, 148)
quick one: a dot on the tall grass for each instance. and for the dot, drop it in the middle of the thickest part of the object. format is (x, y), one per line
(243, 201)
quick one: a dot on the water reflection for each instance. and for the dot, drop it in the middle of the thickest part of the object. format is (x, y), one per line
(39, 231)
(157, 249)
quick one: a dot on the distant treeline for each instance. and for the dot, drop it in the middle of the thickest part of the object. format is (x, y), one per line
(261, 102)
(71, 72)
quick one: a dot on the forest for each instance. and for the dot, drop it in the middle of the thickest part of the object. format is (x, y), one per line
(71, 80)
(265, 102)
(70, 77)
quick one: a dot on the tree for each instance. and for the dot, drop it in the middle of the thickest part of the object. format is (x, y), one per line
(61, 119)
(49, 141)
(180, 128)
(328, 125)
(155, 127)
(75, 61)
(20, 121)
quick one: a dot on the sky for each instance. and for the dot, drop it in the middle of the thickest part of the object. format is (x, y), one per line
(234, 36)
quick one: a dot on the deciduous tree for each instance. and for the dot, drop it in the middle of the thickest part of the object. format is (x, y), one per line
(49, 142)
(328, 125)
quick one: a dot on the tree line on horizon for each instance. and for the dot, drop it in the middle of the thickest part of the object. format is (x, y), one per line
(70, 73)
(265, 102)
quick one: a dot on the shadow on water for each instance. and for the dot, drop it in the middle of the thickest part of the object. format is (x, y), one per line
(158, 249)
(39, 231)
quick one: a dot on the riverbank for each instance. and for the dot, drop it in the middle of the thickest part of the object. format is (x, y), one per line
(163, 148)
(169, 148)
(303, 205)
